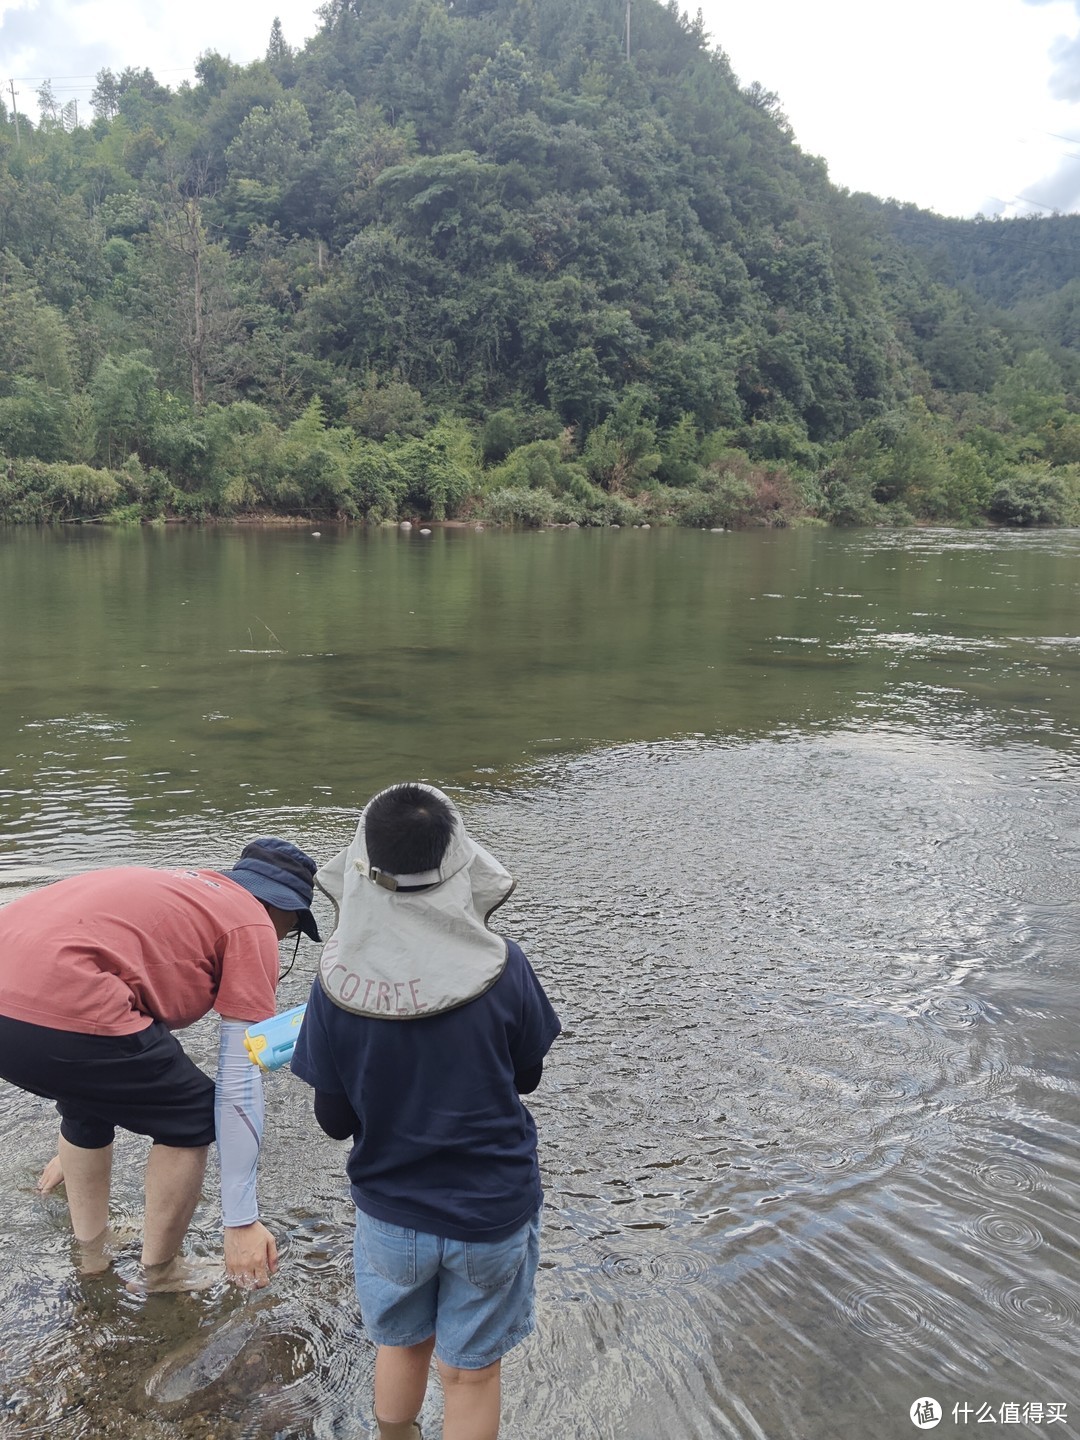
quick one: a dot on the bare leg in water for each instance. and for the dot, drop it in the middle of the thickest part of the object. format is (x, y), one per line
(88, 1175)
(174, 1177)
(472, 1398)
(401, 1376)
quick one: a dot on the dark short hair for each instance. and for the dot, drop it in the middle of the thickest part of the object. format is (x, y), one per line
(407, 830)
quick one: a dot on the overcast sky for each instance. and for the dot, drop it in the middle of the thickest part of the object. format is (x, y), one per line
(958, 105)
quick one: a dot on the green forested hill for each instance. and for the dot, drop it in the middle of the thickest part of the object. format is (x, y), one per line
(1005, 261)
(1027, 267)
(472, 258)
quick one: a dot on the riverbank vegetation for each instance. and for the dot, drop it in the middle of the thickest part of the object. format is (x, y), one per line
(470, 258)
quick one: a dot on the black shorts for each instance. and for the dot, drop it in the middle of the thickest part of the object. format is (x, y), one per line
(142, 1082)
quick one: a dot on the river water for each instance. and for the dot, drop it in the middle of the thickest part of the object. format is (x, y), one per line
(796, 828)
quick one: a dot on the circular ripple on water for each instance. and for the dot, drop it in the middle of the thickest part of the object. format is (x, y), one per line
(320, 1248)
(824, 1159)
(333, 1365)
(1007, 1232)
(1036, 1308)
(955, 1012)
(1008, 1176)
(672, 1269)
(896, 1316)
(892, 1087)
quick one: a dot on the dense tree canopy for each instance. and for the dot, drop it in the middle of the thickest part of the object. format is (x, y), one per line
(470, 256)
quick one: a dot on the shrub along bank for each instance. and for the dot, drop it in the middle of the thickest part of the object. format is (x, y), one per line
(912, 464)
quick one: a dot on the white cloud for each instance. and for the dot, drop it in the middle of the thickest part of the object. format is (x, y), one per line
(948, 103)
(1066, 81)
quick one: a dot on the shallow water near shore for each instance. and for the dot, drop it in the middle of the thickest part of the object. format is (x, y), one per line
(795, 820)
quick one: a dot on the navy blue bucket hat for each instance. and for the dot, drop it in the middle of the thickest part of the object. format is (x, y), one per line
(279, 874)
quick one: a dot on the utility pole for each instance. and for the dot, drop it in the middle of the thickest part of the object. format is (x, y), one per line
(628, 30)
(15, 112)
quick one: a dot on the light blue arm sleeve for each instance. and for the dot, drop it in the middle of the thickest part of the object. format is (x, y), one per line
(239, 1113)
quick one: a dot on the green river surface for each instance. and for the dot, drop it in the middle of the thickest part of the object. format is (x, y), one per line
(796, 828)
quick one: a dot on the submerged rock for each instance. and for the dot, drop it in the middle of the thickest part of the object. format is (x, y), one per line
(242, 1360)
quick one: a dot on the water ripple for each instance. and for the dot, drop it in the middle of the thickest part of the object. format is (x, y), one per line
(956, 1012)
(1007, 1232)
(826, 1159)
(642, 1275)
(895, 1315)
(1036, 1307)
(1008, 1175)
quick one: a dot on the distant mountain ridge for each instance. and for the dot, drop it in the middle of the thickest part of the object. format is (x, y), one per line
(1005, 261)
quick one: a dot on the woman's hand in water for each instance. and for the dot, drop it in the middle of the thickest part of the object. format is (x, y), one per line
(250, 1255)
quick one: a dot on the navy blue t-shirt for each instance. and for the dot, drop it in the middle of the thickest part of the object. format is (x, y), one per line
(445, 1143)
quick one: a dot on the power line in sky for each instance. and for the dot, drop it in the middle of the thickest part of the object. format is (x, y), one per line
(40, 79)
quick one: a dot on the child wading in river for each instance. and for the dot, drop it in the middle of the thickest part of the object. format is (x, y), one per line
(422, 1032)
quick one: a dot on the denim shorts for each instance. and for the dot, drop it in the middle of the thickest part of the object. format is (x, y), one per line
(475, 1297)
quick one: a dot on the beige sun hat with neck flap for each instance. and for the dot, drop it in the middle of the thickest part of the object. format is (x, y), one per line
(399, 952)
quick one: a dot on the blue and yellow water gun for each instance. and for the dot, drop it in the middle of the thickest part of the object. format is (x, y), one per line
(270, 1043)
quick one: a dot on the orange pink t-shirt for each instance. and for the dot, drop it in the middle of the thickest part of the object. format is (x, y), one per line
(110, 951)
